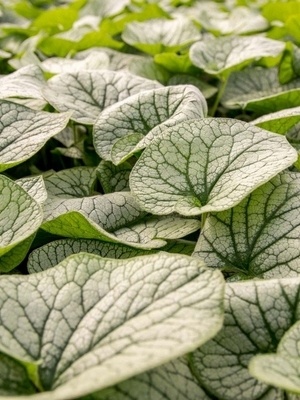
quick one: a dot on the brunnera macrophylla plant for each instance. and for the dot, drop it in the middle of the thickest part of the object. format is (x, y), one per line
(149, 200)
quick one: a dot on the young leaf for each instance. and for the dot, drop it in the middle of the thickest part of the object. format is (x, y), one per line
(282, 368)
(257, 314)
(220, 56)
(141, 313)
(258, 89)
(260, 235)
(132, 124)
(87, 93)
(173, 381)
(54, 252)
(166, 35)
(21, 217)
(207, 165)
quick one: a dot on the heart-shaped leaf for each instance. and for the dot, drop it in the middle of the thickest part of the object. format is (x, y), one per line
(282, 368)
(87, 93)
(260, 235)
(259, 89)
(207, 165)
(23, 132)
(220, 56)
(132, 124)
(21, 217)
(166, 35)
(257, 314)
(141, 313)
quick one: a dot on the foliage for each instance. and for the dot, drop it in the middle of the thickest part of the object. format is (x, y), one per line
(149, 200)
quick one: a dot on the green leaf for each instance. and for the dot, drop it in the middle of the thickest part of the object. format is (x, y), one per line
(35, 187)
(207, 165)
(173, 381)
(279, 122)
(176, 63)
(258, 89)
(53, 253)
(23, 132)
(259, 236)
(141, 313)
(257, 314)
(87, 93)
(278, 11)
(166, 35)
(220, 56)
(21, 217)
(95, 60)
(181, 79)
(282, 368)
(131, 125)
(24, 85)
(114, 178)
(56, 19)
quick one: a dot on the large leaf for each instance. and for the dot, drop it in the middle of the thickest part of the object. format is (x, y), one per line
(35, 187)
(282, 368)
(24, 86)
(172, 381)
(20, 217)
(260, 235)
(23, 132)
(259, 89)
(105, 314)
(257, 314)
(87, 93)
(132, 124)
(220, 56)
(114, 178)
(54, 252)
(207, 165)
(166, 35)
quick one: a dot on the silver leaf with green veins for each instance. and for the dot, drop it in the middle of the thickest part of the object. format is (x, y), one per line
(261, 235)
(257, 314)
(207, 165)
(87, 93)
(89, 316)
(131, 125)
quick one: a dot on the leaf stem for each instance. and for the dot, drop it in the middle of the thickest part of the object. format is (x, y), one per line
(223, 85)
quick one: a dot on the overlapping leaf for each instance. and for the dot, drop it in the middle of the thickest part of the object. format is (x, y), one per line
(23, 132)
(166, 35)
(21, 216)
(87, 93)
(280, 121)
(259, 89)
(259, 236)
(207, 165)
(105, 314)
(257, 314)
(132, 124)
(219, 56)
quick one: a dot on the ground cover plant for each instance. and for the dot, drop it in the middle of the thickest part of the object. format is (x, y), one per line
(149, 200)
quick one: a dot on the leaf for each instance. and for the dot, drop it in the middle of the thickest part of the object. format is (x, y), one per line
(104, 8)
(23, 132)
(206, 89)
(87, 93)
(131, 125)
(280, 369)
(279, 122)
(114, 217)
(114, 178)
(260, 235)
(207, 165)
(55, 19)
(257, 314)
(94, 61)
(53, 253)
(173, 381)
(142, 313)
(258, 89)
(25, 85)
(71, 183)
(166, 35)
(35, 187)
(21, 217)
(220, 56)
